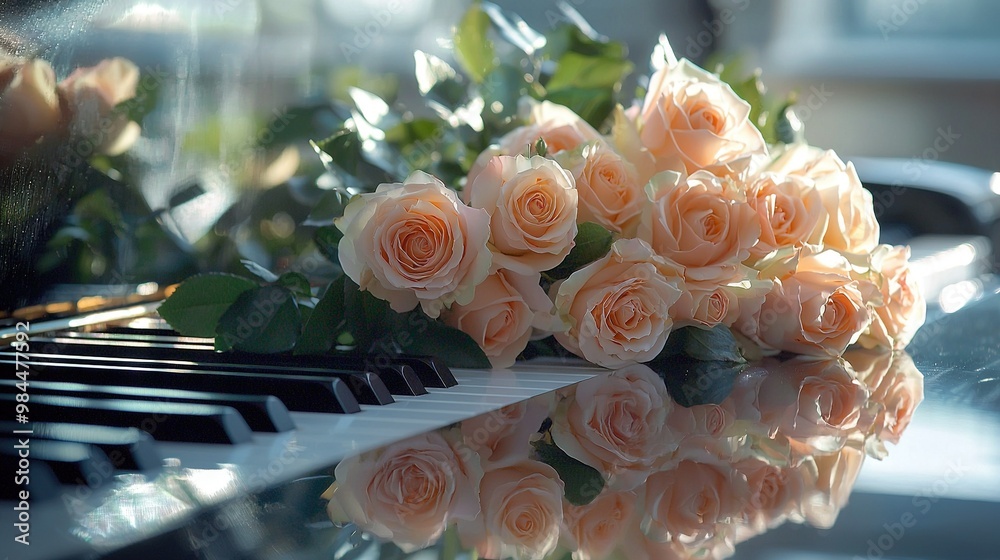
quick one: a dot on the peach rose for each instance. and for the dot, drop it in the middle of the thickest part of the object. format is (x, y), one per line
(896, 386)
(617, 424)
(503, 436)
(699, 223)
(789, 208)
(409, 491)
(532, 203)
(812, 313)
(500, 317)
(707, 306)
(521, 512)
(903, 308)
(852, 226)
(558, 126)
(694, 502)
(835, 478)
(618, 307)
(776, 492)
(92, 93)
(415, 243)
(29, 105)
(609, 188)
(691, 120)
(815, 403)
(596, 528)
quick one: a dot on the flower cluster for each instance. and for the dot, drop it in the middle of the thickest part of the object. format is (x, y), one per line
(34, 106)
(713, 228)
(673, 482)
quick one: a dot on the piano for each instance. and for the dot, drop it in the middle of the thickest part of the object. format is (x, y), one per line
(144, 443)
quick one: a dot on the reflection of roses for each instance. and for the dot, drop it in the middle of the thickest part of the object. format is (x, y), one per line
(532, 205)
(92, 93)
(701, 225)
(616, 423)
(692, 502)
(691, 120)
(503, 436)
(618, 307)
(521, 512)
(816, 403)
(896, 386)
(501, 314)
(409, 491)
(596, 528)
(29, 105)
(415, 243)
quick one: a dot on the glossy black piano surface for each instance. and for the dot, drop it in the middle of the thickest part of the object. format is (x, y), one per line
(261, 499)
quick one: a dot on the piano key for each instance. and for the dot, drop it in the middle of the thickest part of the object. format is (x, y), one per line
(195, 423)
(315, 394)
(431, 371)
(263, 413)
(128, 449)
(366, 386)
(401, 380)
(71, 462)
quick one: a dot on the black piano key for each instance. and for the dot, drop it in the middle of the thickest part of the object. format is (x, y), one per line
(366, 386)
(431, 371)
(194, 423)
(302, 393)
(401, 380)
(42, 483)
(71, 462)
(128, 449)
(263, 413)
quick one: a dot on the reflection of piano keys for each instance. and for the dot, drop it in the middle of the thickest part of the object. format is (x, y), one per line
(123, 376)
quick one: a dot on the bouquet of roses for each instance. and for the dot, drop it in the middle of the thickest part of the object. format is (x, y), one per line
(535, 210)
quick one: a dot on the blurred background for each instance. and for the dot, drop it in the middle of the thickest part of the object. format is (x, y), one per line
(914, 80)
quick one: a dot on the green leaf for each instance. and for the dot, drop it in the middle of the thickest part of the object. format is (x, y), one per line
(593, 105)
(416, 333)
(343, 148)
(297, 283)
(582, 483)
(692, 382)
(587, 72)
(717, 344)
(264, 320)
(326, 321)
(327, 238)
(195, 307)
(367, 316)
(592, 242)
(330, 207)
(472, 49)
(438, 81)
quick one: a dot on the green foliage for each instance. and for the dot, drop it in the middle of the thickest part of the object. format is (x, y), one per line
(326, 322)
(582, 483)
(264, 320)
(591, 243)
(199, 302)
(473, 50)
(716, 344)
